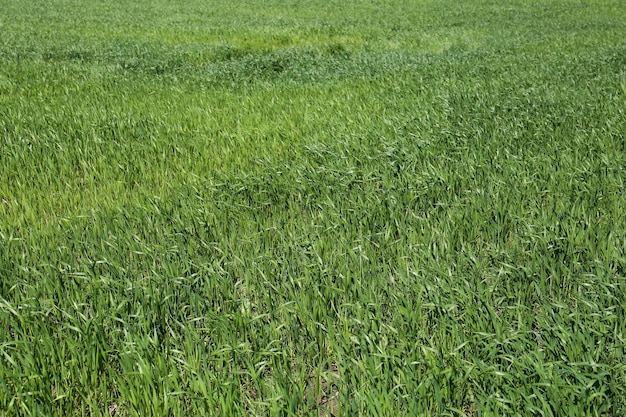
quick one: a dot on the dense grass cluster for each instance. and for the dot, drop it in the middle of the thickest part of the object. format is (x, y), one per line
(376, 208)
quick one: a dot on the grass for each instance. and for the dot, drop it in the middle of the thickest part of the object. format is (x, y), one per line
(312, 208)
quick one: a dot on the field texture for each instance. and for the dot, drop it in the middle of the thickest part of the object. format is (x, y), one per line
(307, 208)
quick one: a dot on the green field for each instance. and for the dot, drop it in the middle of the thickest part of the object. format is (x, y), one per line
(309, 208)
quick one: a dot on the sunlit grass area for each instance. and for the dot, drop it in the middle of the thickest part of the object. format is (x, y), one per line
(344, 208)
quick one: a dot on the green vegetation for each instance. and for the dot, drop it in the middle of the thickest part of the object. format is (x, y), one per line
(288, 208)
